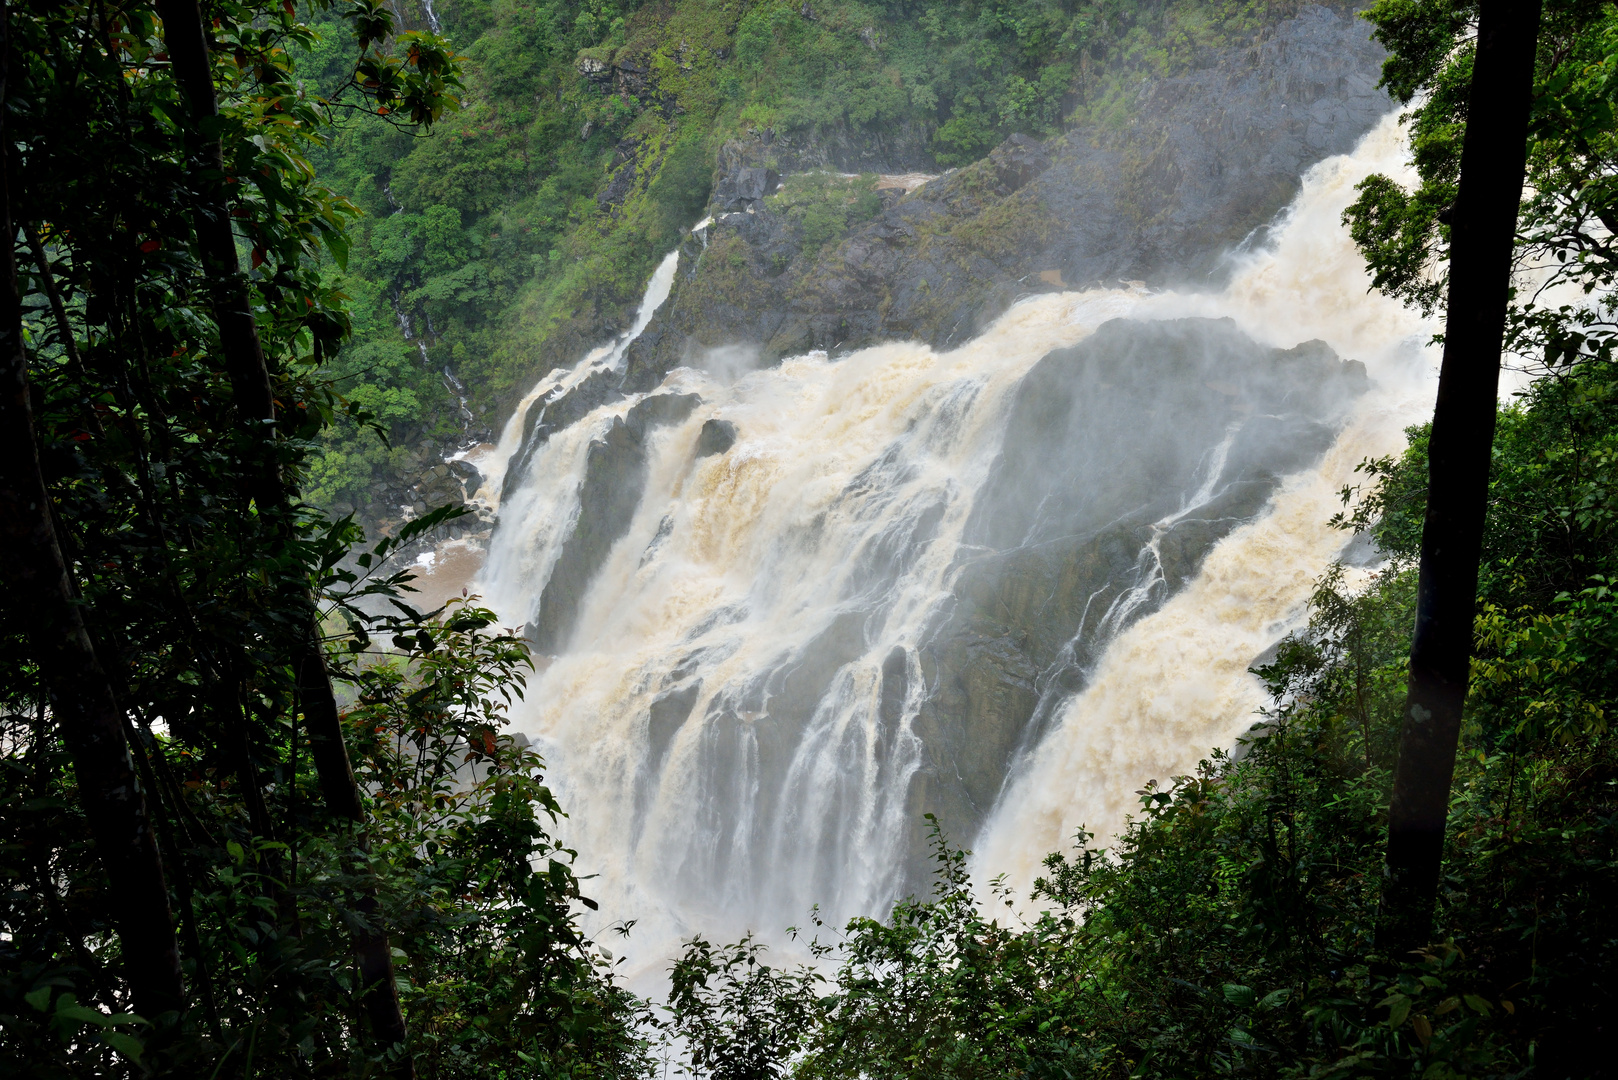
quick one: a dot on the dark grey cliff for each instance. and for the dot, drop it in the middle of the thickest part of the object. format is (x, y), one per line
(1090, 520)
(1208, 158)
(614, 476)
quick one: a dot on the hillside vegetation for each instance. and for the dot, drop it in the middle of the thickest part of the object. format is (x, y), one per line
(521, 233)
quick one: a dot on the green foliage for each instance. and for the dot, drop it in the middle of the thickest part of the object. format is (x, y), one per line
(825, 205)
(197, 598)
(1564, 227)
(495, 969)
(739, 1017)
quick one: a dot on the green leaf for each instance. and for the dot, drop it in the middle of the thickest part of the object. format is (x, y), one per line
(39, 999)
(68, 1009)
(1398, 1010)
(1242, 997)
(336, 241)
(1275, 998)
(127, 1045)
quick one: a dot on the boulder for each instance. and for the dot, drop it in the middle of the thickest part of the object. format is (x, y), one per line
(716, 437)
(745, 188)
(595, 65)
(1018, 160)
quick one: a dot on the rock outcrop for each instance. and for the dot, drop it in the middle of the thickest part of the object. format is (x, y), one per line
(1086, 523)
(745, 188)
(615, 474)
(716, 437)
(1208, 158)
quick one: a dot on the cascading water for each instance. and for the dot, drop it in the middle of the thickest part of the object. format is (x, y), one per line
(605, 359)
(1176, 683)
(801, 629)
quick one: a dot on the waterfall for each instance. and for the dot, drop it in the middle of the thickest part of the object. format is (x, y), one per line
(802, 628)
(1176, 684)
(559, 381)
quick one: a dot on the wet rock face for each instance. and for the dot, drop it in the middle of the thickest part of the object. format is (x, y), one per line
(716, 437)
(615, 474)
(1018, 161)
(896, 148)
(745, 188)
(625, 169)
(545, 418)
(1208, 158)
(1126, 459)
(1222, 154)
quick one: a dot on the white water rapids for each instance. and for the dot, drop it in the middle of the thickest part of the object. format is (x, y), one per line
(736, 563)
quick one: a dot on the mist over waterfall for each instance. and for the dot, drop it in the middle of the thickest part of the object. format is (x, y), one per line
(784, 613)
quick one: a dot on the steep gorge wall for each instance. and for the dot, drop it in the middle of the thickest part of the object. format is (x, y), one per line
(1210, 157)
(1204, 158)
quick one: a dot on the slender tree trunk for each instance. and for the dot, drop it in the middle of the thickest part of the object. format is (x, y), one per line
(186, 38)
(337, 787)
(64, 328)
(143, 751)
(81, 697)
(187, 43)
(342, 798)
(1482, 231)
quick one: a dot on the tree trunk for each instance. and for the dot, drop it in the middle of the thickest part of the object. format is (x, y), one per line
(81, 697)
(337, 787)
(342, 798)
(187, 42)
(1482, 231)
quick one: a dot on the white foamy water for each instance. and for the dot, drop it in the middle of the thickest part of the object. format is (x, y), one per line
(761, 553)
(1175, 685)
(742, 572)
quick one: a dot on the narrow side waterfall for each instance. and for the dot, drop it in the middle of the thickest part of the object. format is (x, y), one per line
(605, 360)
(784, 614)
